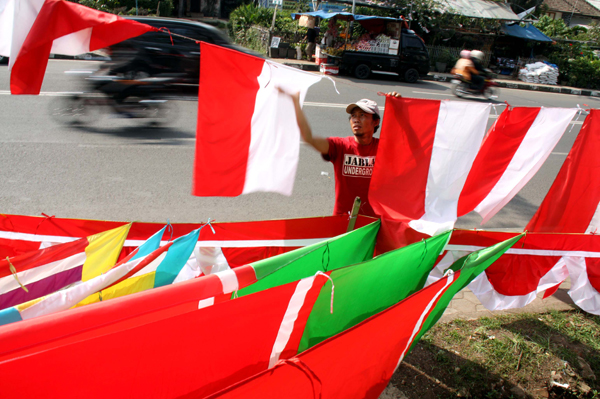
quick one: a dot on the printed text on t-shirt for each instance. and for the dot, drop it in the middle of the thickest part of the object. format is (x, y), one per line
(357, 166)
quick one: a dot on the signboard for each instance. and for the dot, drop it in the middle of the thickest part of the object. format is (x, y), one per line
(277, 2)
(275, 42)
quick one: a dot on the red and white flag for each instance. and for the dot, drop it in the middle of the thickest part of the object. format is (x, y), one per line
(513, 151)
(247, 137)
(536, 264)
(13, 35)
(425, 153)
(434, 165)
(572, 203)
(62, 27)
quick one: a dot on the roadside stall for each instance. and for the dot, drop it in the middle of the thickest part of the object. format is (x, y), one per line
(385, 45)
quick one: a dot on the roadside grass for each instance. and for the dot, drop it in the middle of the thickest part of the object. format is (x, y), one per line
(549, 355)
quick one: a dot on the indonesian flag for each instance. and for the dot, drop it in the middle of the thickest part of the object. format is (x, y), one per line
(62, 27)
(13, 35)
(448, 169)
(514, 150)
(36, 274)
(425, 153)
(538, 263)
(572, 204)
(247, 137)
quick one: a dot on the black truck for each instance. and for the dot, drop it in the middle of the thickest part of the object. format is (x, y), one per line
(410, 61)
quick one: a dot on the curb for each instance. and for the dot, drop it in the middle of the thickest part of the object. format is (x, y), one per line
(303, 67)
(525, 86)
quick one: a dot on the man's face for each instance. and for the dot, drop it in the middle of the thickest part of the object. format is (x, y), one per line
(362, 123)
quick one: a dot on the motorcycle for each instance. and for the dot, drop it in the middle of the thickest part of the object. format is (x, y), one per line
(123, 97)
(463, 88)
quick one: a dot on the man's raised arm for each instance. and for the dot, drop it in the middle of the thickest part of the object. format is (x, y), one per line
(318, 143)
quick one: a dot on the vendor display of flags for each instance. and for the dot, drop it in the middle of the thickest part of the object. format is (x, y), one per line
(69, 297)
(58, 26)
(189, 296)
(36, 274)
(258, 149)
(264, 317)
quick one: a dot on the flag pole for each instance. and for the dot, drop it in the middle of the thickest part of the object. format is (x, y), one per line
(353, 214)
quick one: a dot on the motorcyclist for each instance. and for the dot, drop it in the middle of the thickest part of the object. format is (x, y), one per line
(464, 66)
(478, 78)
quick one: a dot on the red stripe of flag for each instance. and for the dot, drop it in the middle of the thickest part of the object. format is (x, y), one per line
(573, 198)
(405, 150)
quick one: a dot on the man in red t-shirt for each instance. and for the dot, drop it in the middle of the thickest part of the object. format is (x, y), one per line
(353, 157)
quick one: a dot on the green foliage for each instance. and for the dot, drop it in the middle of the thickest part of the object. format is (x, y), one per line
(552, 27)
(247, 15)
(380, 12)
(577, 64)
(556, 28)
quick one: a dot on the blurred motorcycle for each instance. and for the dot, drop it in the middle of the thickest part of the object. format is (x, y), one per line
(127, 98)
(463, 88)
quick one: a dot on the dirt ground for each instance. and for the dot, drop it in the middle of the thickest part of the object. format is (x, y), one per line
(554, 355)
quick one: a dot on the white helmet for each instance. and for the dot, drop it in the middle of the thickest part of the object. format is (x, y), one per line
(478, 55)
(465, 54)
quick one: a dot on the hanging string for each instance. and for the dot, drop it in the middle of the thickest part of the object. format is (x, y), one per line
(308, 372)
(13, 271)
(209, 224)
(46, 217)
(9, 221)
(323, 265)
(171, 34)
(320, 273)
(580, 110)
(170, 227)
(524, 238)
(424, 252)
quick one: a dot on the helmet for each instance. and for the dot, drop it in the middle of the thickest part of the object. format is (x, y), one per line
(465, 54)
(478, 55)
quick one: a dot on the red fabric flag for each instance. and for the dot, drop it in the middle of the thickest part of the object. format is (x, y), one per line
(446, 167)
(163, 353)
(248, 139)
(571, 205)
(59, 18)
(538, 263)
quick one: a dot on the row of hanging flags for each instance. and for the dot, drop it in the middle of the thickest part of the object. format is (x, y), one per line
(220, 326)
(252, 309)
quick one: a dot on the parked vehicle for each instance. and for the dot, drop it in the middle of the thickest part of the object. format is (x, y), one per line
(158, 53)
(463, 88)
(410, 62)
(143, 98)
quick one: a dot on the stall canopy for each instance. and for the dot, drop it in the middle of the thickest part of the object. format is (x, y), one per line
(529, 32)
(370, 22)
(486, 9)
(326, 15)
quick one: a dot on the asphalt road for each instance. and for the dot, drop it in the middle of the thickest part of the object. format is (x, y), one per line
(119, 169)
